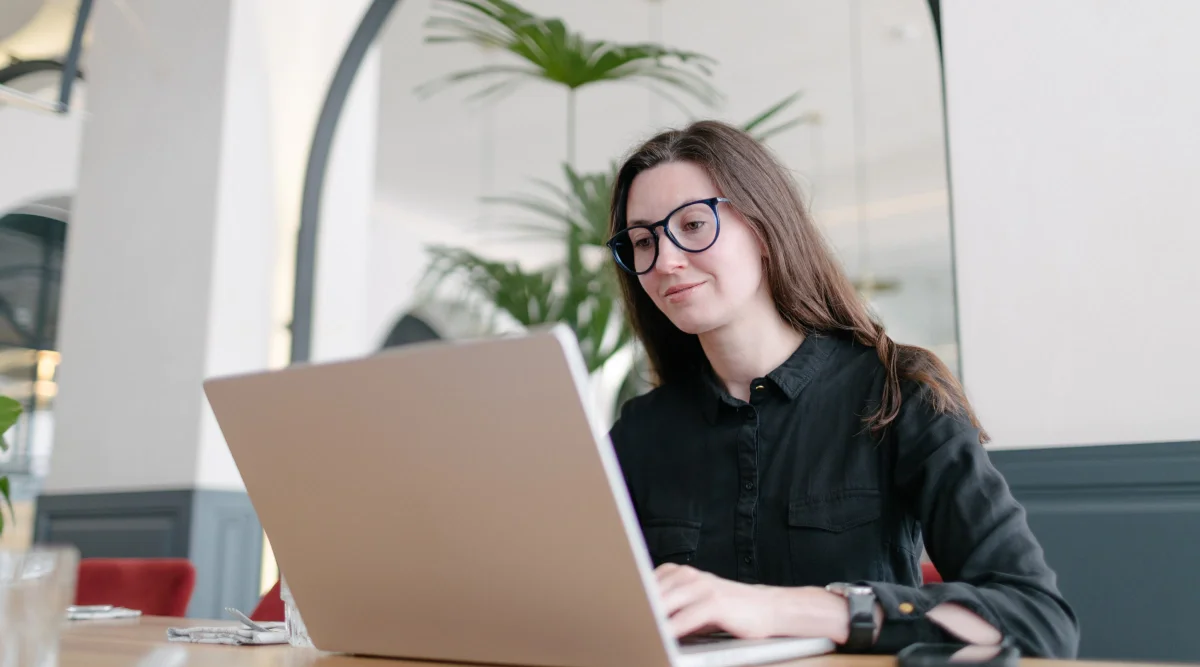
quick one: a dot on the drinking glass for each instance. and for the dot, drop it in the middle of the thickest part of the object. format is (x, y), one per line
(36, 587)
(297, 632)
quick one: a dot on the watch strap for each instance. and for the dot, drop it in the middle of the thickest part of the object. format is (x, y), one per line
(860, 601)
(862, 621)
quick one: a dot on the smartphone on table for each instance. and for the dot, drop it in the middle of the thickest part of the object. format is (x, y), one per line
(944, 655)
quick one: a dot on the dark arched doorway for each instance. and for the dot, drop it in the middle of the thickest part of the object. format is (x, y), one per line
(410, 329)
(32, 241)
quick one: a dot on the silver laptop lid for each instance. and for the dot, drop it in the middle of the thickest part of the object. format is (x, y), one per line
(449, 501)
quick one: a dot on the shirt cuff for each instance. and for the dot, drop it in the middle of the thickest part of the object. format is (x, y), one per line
(904, 619)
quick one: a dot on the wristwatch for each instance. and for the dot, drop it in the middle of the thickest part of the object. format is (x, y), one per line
(861, 601)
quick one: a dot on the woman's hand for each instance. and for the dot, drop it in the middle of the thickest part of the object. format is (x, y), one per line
(699, 603)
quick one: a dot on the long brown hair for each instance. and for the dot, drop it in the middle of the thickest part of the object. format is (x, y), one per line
(810, 289)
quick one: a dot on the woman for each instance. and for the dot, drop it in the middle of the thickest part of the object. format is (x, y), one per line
(793, 458)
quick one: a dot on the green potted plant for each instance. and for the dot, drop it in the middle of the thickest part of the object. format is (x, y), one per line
(10, 411)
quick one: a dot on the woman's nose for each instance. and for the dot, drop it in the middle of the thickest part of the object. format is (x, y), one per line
(670, 257)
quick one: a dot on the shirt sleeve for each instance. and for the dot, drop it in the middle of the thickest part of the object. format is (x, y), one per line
(977, 536)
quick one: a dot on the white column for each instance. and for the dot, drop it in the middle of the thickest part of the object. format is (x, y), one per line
(144, 254)
(180, 252)
(179, 260)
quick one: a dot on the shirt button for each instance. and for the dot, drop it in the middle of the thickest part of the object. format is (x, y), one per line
(748, 485)
(749, 559)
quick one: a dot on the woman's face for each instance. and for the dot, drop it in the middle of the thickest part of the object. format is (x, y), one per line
(703, 291)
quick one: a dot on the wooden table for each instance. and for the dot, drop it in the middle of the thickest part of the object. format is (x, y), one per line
(143, 643)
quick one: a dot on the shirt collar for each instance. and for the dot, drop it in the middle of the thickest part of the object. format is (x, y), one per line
(790, 377)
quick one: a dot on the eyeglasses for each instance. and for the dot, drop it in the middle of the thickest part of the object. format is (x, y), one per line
(693, 227)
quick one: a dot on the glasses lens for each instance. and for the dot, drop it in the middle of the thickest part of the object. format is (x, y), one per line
(635, 249)
(694, 227)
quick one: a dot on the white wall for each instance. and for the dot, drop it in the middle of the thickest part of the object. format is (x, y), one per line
(40, 155)
(1075, 156)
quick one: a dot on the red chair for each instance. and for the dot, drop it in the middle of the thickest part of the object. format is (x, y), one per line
(154, 586)
(270, 607)
(929, 573)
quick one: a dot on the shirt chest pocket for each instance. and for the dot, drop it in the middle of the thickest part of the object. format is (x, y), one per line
(835, 537)
(674, 542)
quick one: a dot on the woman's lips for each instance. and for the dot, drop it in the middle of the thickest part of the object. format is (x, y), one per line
(678, 293)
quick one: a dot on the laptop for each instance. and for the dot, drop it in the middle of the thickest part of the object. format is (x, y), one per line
(457, 501)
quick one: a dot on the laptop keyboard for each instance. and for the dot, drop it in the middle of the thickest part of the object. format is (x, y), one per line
(700, 640)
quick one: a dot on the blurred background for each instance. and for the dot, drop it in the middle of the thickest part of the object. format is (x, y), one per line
(1006, 182)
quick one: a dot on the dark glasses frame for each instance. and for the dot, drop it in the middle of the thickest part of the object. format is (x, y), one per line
(712, 204)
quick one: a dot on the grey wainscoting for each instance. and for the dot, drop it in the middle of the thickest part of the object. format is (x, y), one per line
(217, 530)
(1121, 526)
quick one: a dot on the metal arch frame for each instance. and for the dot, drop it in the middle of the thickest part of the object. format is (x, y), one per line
(68, 68)
(314, 176)
(51, 237)
(935, 12)
(71, 64)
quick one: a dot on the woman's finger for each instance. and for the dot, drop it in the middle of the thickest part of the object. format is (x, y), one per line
(677, 576)
(665, 569)
(685, 595)
(696, 617)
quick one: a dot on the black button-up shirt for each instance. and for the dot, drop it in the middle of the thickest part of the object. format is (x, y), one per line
(791, 489)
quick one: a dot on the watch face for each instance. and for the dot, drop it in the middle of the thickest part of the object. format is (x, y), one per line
(842, 588)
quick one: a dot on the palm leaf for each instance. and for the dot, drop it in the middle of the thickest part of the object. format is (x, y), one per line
(532, 297)
(753, 125)
(653, 72)
(525, 296)
(513, 75)
(582, 207)
(590, 197)
(553, 53)
(552, 214)
(780, 129)
(4, 494)
(771, 111)
(10, 411)
(585, 202)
